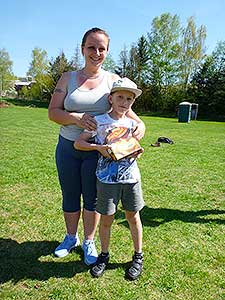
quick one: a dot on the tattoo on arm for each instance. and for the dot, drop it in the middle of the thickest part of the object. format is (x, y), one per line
(57, 90)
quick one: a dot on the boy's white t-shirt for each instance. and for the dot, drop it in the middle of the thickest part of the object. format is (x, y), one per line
(109, 171)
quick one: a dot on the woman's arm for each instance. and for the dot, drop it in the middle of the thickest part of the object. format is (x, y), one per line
(139, 131)
(57, 113)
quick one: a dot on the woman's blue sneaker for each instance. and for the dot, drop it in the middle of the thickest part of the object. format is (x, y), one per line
(67, 245)
(90, 253)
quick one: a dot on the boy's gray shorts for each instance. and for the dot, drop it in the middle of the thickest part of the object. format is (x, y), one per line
(108, 196)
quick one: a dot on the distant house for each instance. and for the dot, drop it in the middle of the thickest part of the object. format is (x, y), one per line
(23, 82)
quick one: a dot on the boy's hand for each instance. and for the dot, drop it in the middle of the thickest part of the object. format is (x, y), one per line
(104, 150)
(140, 153)
(137, 154)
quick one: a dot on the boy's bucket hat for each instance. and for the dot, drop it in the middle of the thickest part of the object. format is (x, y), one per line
(125, 84)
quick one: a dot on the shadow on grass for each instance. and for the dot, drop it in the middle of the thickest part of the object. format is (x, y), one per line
(22, 261)
(154, 217)
(25, 260)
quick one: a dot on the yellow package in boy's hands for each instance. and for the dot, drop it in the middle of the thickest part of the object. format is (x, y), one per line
(122, 144)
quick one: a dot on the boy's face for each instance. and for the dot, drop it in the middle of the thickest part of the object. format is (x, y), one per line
(121, 101)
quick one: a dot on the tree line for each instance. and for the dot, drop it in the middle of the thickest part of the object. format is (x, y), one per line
(169, 64)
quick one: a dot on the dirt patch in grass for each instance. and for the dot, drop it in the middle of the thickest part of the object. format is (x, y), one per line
(4, 104)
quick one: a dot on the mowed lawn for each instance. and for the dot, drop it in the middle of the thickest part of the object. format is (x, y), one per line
(183, 220)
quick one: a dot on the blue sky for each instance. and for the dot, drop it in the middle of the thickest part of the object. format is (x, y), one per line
(56, 25)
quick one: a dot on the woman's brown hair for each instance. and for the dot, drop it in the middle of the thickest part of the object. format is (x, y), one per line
(94, 30)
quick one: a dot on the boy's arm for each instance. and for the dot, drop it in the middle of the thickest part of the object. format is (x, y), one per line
(82, 144)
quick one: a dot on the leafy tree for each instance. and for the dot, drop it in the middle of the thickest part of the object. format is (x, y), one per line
(192, 50)
(163, 66)
(45, 82)
(164, 49)
(43, 87)
(39, 64)
(6, 74)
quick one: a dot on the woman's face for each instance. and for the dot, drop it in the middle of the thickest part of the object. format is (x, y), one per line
(95, 49)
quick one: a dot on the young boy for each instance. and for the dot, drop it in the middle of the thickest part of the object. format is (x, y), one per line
(116, 179)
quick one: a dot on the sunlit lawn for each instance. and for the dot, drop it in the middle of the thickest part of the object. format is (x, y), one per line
(183, 219)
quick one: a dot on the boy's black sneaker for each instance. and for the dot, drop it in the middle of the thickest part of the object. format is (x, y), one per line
(99, 267)
(136, 267)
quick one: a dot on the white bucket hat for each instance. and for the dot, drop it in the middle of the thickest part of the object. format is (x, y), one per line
(125, 84)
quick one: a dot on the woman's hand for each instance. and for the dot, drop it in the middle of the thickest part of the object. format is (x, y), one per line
(139, 131)
(87, 122)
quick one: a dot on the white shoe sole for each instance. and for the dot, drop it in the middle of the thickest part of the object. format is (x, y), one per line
(86, 261)
(63, 254)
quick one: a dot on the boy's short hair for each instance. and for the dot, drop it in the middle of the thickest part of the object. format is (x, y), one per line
(125, 84)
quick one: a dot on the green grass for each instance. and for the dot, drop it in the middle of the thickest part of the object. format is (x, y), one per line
(183, 220)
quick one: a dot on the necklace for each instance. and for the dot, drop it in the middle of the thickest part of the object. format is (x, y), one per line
(90, 76)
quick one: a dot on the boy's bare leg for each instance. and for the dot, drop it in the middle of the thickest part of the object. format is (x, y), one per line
(134, 221)
(104, 231)
(136, 267)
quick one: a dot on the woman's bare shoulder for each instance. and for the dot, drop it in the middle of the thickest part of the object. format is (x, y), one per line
(66, 75)
(64, 79)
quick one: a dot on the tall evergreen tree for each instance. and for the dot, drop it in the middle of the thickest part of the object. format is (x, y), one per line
(109, 63)
(138, 61)
(132, 64)
(76, 61)
(123, 65)
(208, 85)
(142, 58)
(59, 66)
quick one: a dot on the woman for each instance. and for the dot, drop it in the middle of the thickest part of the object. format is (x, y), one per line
(78, 97)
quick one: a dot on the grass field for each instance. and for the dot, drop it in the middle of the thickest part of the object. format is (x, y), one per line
(183, 220)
